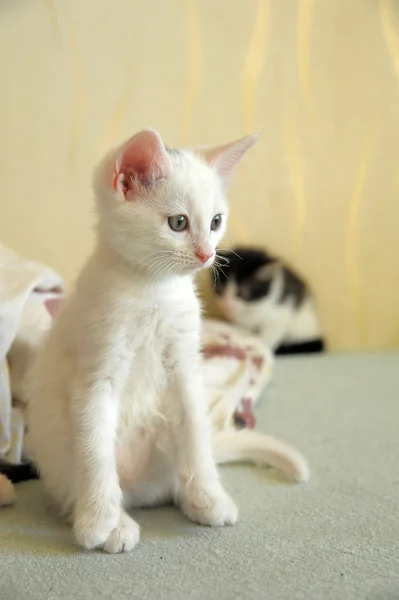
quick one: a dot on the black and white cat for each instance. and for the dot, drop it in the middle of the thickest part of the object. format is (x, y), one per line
(257, 291)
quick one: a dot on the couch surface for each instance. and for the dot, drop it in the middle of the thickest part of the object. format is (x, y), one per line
(334, 538)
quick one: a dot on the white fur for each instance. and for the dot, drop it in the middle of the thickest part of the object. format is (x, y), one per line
(117, 407)
(249, 446)
(276, 322)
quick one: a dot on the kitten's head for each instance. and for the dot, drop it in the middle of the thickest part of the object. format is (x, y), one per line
(242, 284)
(165, 210)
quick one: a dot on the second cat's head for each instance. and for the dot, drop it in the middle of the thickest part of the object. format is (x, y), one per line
(243, 284)
(164, 210)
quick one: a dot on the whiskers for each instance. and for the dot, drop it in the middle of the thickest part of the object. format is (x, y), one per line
(215, 273)
(167, 263)
(231, 252)
(219, 264)
(160, 263)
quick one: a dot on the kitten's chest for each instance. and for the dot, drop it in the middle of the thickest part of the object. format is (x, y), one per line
(147, 375)
(156, 338)
(147, 340)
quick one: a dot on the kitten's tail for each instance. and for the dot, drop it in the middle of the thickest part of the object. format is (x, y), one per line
(246, 445)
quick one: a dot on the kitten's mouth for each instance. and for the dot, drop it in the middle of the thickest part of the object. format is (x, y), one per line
(196, 267)
(206, 265)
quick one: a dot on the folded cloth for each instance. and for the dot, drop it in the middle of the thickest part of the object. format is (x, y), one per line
(237, 368)
(24, 287)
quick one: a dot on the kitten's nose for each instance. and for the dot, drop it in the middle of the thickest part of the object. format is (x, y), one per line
(204, 256)
(227, 304)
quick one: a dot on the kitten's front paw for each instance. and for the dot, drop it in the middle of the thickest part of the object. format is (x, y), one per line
(214, 509)
(124, 537)
(93, 526)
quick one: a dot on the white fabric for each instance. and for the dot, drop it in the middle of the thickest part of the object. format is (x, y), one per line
(237, 368)
(24, 286)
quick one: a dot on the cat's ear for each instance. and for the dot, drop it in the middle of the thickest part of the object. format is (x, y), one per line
(224, 159)
(266, 272)
(53, 305)
(142, 160)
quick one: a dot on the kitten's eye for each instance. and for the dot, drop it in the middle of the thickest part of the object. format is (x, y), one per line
(216, 222)
(178, 222)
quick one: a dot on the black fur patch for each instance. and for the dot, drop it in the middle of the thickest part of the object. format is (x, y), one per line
(293, 288)
(311, 347)
(243, 269)
(20, 472)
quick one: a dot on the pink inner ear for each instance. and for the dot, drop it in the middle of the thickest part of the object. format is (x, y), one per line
(224, 159)
(53, 305)
(143, 161)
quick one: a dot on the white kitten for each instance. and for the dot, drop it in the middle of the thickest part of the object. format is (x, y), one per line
(117, 408)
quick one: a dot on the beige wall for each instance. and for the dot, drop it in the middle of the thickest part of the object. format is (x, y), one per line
(319, 79)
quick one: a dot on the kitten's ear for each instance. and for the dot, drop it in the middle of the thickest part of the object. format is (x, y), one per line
(266, 272)
(142, 160)
(224, 159)
(53, 305)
